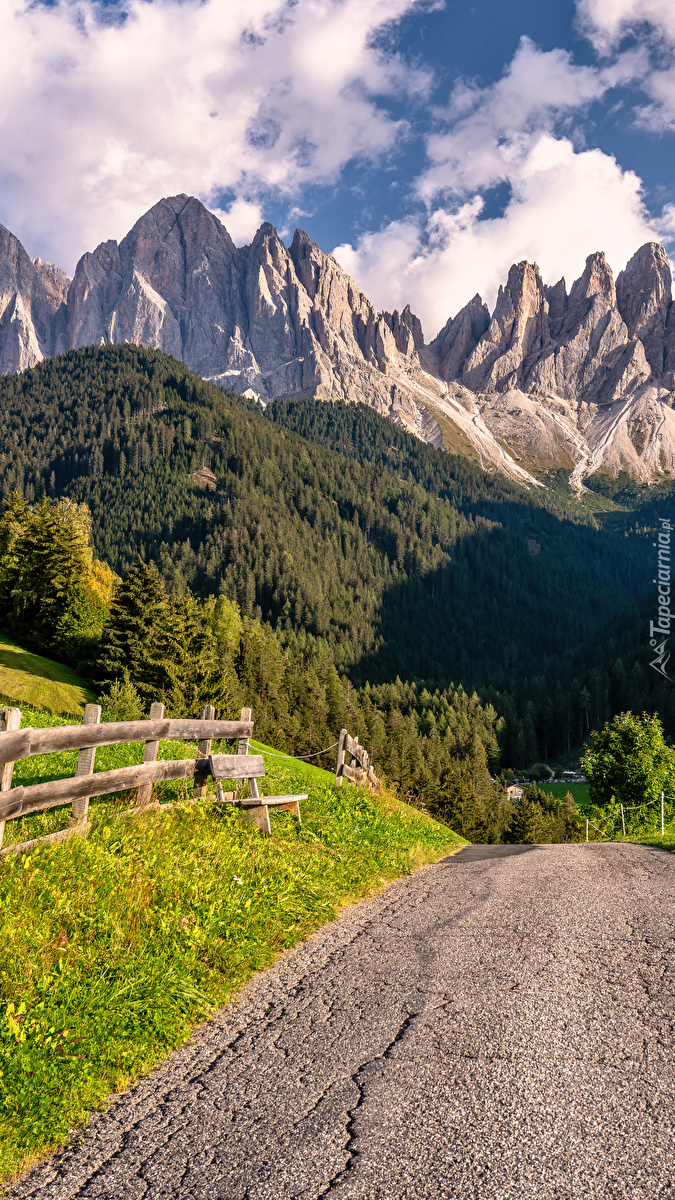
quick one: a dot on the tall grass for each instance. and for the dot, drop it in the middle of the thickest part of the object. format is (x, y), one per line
(113, 947)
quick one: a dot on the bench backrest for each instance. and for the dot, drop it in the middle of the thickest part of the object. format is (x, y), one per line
(237, 766)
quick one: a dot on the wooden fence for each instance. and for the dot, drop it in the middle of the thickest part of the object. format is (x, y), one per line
(16, 743)
(360, 770)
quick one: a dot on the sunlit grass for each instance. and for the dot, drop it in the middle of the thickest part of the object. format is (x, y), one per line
(580, 792)
(27, 678)
(112, 947)
(667, 842)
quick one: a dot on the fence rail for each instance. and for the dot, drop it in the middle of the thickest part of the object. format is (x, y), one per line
(27, 742)
(16, 743)
(37, 797)
(363, 771)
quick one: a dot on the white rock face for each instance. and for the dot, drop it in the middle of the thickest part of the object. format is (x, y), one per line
(518, 332)
(583, 380)
(31, 306)
(451, 348)
(643, 296)
(263, 319)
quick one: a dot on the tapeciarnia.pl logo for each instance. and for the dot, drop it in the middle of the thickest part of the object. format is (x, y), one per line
(660, 629)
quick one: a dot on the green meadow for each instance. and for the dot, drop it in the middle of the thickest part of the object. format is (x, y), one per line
(579, 791)
(113, 947)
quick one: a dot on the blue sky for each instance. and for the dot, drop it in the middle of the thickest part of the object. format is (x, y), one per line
(427, 144)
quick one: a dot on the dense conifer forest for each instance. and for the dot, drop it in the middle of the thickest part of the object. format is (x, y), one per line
(416, 590)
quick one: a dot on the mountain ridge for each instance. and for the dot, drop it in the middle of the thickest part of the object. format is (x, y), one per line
(583, 380)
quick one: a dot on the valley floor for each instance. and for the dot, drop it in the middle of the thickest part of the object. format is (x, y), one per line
(498, 1025)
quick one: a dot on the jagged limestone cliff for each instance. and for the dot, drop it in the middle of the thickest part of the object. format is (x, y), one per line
(582, 380)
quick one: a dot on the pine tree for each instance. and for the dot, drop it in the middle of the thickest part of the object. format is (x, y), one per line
(78, 631)
(194, 675)
(48, 562)
(15, 516)
(131, 640)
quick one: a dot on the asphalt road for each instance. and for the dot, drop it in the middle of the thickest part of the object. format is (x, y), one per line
(500, 1025)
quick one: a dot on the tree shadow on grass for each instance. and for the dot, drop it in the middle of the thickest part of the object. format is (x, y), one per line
(33, 664)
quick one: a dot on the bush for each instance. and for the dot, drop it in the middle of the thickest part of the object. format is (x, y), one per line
(122, 702)
(629, 761)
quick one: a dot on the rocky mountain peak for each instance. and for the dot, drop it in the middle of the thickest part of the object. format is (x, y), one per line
(407, 331)
(556, 296)
(55, 282)
(174, 238)
(519, 328)
(266, 240)
(643, 296)
(596, 280)
(308, 261)
(583, 380)
(31, 294)
(452, 346)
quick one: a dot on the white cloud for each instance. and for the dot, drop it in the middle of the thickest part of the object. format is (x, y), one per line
(565, 201)
(666, 223)
(477, 150)
(241, 220)
(564, 205)
(490, 128)
(651, 24)
(103, 111)
(607, 22)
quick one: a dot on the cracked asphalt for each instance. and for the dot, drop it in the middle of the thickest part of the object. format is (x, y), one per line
(499, 1025)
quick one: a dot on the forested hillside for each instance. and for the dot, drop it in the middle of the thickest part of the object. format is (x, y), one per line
(360, 545)
(590, 678)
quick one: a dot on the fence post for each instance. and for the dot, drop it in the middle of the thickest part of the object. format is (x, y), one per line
(242, 748)
(208, 713)
(340, 758)
(85, 765)
(623, 822)
(150, 751)
(586, 828)
(663, 828)
(10, 720)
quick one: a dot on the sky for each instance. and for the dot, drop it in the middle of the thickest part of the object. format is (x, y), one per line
(427, 144)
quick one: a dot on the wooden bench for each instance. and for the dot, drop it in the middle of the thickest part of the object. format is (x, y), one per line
(251, 767)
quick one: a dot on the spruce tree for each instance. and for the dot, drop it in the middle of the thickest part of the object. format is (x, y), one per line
(48, 562)
(132, 636)
(15, 516)
(194, 675)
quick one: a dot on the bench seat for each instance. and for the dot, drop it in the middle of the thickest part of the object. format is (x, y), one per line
(252, 768)
(258, 809)
(273, 801)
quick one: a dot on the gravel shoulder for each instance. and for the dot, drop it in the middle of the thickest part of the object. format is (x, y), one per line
(501, 1025)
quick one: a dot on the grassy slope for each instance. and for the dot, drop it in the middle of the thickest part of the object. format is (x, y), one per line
(27, 678)
(118, 944)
